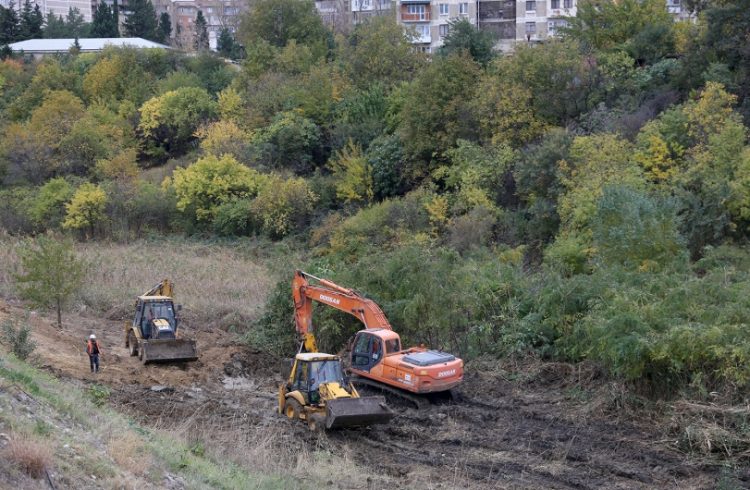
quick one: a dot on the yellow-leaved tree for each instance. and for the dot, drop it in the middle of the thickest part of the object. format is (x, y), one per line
(352, 174)
(224, 138)
(210, 182)
(86, 209)
(595, 162)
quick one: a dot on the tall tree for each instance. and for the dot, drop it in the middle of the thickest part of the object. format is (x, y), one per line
(279, 21)
(9, 25)
(76, 24)
(226, 45)
(164, 30)
(141, 22)
(462, 35)
(201, 32)
(52, 273)
(31, 21)
(103, 22)
(55, 27)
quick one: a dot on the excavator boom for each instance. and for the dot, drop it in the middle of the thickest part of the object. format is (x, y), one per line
(335, 296)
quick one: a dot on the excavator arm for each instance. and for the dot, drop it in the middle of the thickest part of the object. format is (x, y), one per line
(335, 296)
(164, 288)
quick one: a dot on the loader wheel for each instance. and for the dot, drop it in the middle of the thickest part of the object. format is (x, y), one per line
(316, 422)
(293, 408)
(132, 345)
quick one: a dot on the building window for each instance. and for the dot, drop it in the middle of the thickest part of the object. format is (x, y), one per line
(555, 4)
(443, 30)
(365, 4)
(531, 28)
(415, 9)
(530, 5)
(554, 26)
(231, 10)
(209, 10)
(568, 4)
(423, 31)
(463, 8)
(443, 9)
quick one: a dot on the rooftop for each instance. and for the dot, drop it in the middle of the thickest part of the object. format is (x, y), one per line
(96, 44)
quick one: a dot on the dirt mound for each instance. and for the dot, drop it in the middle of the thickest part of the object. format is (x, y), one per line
(121, 312)
(253, 364)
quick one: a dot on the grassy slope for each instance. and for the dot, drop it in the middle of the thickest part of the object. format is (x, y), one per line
(93, 446)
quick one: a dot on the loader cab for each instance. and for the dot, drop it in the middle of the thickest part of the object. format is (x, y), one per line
(311, 370)
(155, 317)
(372, 345)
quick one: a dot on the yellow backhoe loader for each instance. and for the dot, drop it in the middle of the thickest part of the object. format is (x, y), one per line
(317, 393)
(152, 335)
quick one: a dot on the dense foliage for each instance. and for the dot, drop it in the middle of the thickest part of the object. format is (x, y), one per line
(584, 198)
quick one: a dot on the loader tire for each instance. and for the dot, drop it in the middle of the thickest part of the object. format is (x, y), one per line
(316, 422)
(292, 409)
(132, 345)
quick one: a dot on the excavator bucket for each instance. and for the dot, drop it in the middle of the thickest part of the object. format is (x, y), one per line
(352, 412)
(169, 350)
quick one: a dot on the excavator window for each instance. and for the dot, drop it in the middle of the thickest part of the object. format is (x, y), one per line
(392, 346)
(368, 351)
(361, 354)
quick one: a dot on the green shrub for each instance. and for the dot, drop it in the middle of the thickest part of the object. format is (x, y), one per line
(19, 339)
(636, 231)
(569, 254)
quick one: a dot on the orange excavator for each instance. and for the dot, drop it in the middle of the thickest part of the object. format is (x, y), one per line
(377, 357)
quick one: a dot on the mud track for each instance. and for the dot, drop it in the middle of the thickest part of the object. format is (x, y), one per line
(503, 434)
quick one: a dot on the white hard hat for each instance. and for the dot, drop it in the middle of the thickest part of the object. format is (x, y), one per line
(92, 336)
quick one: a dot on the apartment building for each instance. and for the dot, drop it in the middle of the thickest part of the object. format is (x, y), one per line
(429, 19)
(537, 20)
(363, 9)
(498, 17)
(218, 13)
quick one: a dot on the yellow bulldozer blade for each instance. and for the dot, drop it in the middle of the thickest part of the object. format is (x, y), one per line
(169, 350)
(352, 412)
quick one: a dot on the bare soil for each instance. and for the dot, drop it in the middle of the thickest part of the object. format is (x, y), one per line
(552, 428)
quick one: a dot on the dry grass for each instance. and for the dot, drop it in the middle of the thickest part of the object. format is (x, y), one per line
(29, 455)
(215, 283)
(129, 452)
(271, 448)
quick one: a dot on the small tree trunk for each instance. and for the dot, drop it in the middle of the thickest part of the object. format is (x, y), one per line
(59, 313)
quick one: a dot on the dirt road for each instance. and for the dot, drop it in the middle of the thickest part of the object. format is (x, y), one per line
(540, 433)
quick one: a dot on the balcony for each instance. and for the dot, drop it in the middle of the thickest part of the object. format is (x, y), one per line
(418, 17)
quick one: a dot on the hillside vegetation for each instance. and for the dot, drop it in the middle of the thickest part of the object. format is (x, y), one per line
(63, 434)
(586, 198)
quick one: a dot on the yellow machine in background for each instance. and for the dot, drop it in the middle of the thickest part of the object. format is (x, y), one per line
(152, 335)
(317, 392)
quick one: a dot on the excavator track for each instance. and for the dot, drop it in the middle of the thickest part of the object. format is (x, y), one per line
(417, 401)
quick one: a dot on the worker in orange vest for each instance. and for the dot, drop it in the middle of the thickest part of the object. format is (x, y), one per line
(93, 349)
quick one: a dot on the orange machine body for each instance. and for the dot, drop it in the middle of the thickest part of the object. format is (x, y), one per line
(376, 352)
